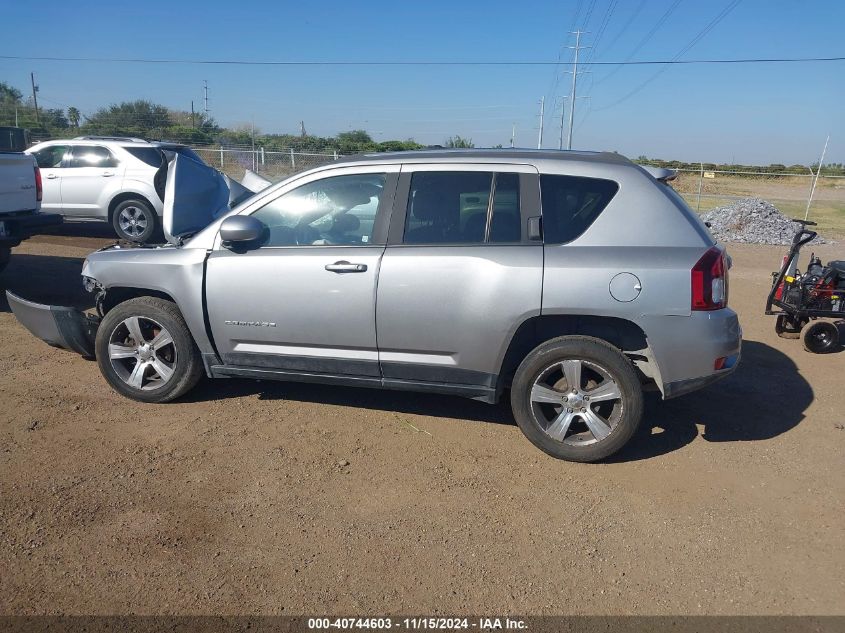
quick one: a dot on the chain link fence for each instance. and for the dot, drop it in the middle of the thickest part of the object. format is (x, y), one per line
(703, 189)
(273, 165)
(706, 189)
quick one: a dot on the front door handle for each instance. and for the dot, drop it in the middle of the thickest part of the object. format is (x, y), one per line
(106, 174)
(50, 176)
(345, 267)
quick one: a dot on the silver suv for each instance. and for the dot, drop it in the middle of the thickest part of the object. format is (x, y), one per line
(570, 281)
(105, 178)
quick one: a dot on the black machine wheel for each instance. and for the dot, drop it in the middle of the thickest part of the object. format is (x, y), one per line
(820, 337)
(789, 327)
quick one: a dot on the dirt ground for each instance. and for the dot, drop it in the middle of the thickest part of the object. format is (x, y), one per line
(273, 498)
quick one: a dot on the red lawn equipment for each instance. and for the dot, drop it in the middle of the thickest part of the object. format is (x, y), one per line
(805, 298)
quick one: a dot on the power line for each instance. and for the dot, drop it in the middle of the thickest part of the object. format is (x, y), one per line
(588, 15)
(660, 22)
(627, 24)
(645, 62)
(675, 60)
(608, 15)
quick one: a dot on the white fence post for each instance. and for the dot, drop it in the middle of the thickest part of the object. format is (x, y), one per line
(221, 157)
(262, 156)
(292, 159)
(700, 180)
(335, 154)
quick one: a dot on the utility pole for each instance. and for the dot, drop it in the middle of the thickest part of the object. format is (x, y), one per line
(816, 179)
(253, 142)
(577, 48)
(562, 113)
(192, 113)
(205, 89)
(35, 98)
(513, 133)
(542, 112)
(302, 132)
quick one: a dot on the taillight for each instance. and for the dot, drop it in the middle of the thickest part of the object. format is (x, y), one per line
(710, 281)
(39, 190)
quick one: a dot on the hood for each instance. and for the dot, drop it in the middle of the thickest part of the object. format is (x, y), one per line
(254, 181)
(194, 194)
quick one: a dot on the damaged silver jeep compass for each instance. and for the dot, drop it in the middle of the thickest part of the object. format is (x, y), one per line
(568, 282)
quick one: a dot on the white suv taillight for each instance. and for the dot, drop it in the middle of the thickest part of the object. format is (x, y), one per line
(710, 281)
(39, 189)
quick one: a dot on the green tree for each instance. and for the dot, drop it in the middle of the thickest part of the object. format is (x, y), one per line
(459, 142)
(131, 118)
(73, 116)
(355, 141)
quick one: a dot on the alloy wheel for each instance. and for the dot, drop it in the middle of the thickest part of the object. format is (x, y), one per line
(142, 353)
(576, 402)
(132, 221)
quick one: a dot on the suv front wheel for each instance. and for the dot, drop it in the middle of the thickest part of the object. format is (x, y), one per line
(146, 352)
(134, 221)
(577, 398)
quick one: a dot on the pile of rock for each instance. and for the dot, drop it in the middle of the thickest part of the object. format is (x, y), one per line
(752, 221)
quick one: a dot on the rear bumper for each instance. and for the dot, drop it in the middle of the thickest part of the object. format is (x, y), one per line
(680, 387)
(687, 349)
(59, 326)
(17, 228)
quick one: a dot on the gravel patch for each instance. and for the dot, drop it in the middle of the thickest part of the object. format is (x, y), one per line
(752, 221)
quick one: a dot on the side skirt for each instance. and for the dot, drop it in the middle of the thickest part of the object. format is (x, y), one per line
(476, 392)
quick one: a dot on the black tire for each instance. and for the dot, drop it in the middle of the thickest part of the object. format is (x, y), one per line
(789, 328)
(820, 337)
(5, 256)
(142, 214)
(594, 354)
(181, 356)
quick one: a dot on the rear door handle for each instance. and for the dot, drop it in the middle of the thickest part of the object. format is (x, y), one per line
(106, 174)
(345, 267)
(51, 176)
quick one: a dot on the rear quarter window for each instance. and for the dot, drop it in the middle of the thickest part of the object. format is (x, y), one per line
(571, 204)
(150, 155)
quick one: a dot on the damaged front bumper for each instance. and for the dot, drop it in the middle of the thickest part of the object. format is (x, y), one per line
(59, 326)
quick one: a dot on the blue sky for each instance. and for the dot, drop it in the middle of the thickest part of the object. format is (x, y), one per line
(744, 113)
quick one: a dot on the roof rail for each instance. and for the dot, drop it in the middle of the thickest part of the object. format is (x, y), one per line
(125, 139)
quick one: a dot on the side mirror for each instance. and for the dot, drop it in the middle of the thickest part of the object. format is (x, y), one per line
(240, 229)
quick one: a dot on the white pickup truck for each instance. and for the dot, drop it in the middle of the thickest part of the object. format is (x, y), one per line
(20, 195)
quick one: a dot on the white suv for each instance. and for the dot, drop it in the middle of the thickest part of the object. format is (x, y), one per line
(106, 178)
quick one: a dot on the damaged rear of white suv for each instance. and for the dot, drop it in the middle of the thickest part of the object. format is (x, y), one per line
(570, 281)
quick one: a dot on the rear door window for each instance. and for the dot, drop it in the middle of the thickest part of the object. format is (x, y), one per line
(571, 204)
(453, 207)
(92, 156)
(150, 155)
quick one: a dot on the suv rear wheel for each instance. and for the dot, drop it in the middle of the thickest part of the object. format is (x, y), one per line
(145, 350)
(577, 398)
(5, 256)
(134, 221)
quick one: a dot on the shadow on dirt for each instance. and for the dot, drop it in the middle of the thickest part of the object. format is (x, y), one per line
(740, 408)
(69, 228)
(43, 279)
(435, 405)
(765, 397)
